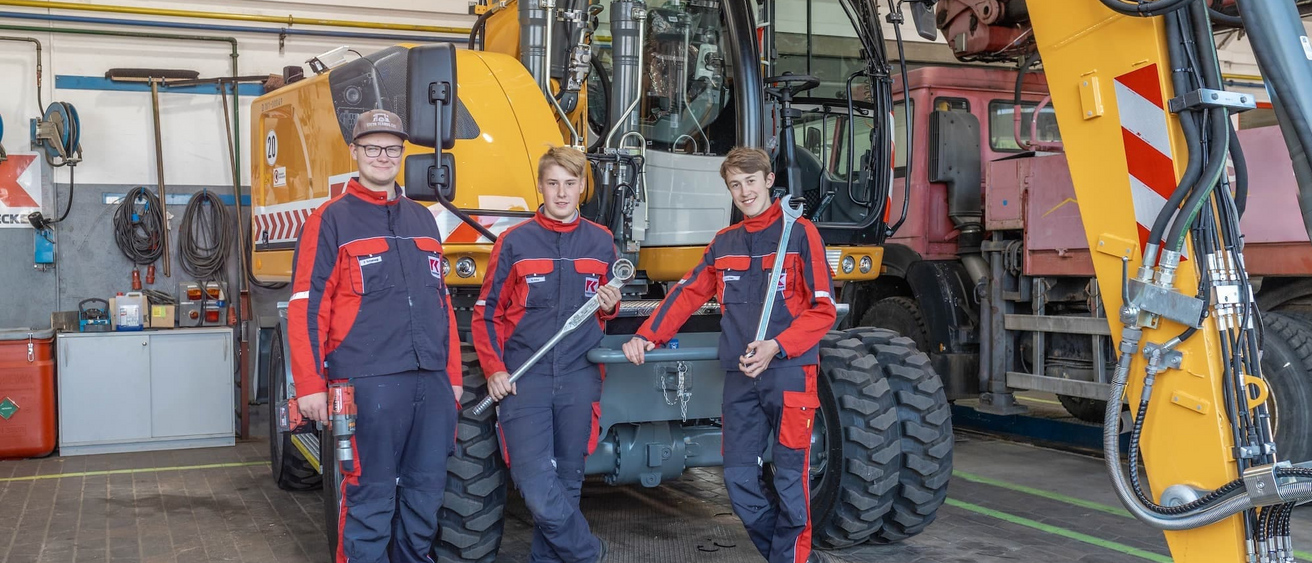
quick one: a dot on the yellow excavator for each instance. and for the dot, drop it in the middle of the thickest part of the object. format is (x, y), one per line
(656, 92)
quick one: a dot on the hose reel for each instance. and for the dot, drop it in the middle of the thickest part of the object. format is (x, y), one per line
(59, 134)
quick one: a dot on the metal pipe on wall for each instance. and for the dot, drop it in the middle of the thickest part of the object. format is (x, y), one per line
(289, 19)
(281, 31)
(41, 106)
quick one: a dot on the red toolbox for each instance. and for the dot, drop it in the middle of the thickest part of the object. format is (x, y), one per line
(27, 393)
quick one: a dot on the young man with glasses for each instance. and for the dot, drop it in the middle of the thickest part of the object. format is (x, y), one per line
(369, 305)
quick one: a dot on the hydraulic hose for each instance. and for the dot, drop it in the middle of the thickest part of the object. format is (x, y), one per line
(1189, 127)
(1241, 173)
(1219, 505)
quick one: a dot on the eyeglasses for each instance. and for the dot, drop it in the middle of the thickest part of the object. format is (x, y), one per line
(372, 151)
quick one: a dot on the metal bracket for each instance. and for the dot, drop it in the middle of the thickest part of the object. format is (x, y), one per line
(1263, 485)
(1207, 98)
(1166, 302)
(1170, 358)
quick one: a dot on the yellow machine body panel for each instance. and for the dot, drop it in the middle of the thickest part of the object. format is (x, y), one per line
(1109, 76)
(307, 161)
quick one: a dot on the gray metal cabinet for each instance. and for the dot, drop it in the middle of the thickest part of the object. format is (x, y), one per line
(155, 390)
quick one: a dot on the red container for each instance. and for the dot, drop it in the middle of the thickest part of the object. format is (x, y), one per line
(27, 393)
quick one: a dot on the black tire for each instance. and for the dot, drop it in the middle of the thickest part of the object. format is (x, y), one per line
(471, 519)
(1287, 367)
(291, 471)
(856, 451)
(925, 421)
(901, 315)
(1088, 410)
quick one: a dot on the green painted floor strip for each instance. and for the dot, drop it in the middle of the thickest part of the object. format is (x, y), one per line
(1063, 532)
(1303, 555)
(142, 470)
(1042, 493)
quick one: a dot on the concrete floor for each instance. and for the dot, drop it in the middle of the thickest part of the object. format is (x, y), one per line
(1007, 502)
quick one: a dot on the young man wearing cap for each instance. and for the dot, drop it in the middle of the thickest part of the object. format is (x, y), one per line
(369, 305)
(769, 384)
(541, 272)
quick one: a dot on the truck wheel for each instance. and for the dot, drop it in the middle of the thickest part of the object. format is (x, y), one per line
(1287, 367)
(471, 519)
(855, 445)
(291, 471)
(1088, 410)
(925, 421)
(901, 315)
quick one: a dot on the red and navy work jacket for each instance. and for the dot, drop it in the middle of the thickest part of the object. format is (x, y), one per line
(541, 272)
(368, 296)
(736, 270)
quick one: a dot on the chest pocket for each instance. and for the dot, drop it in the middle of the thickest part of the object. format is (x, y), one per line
(738, 282)
(369, 264)
(790, 279)
(588, 276)
(540, 282)
(428, 262)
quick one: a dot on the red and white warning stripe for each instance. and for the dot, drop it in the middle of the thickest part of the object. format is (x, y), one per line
(282, 222)
(1147, 144)
(456, 231)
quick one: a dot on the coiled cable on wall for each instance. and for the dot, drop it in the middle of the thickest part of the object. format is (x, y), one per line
(205, 237)
(139, 226)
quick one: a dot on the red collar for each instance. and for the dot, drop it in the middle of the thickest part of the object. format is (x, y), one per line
(377, 198)
(558, 226)
(765, 219)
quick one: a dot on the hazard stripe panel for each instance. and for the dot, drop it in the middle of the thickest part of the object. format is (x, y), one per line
(1147, 142)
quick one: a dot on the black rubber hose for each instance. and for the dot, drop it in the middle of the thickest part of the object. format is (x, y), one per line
(1241, 173)
(139, 231)
(1224, 19)
(1181, 84)
(476, 31)
(205, 237)
(1145, 10)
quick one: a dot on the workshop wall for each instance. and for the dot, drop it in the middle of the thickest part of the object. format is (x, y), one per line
(118, 140)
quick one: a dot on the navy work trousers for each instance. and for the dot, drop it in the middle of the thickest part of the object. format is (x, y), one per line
(547, 429)
(404, 431)
(783, 400)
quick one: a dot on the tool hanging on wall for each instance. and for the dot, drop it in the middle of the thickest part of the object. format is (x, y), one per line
(58, 134)
(139, 231)
(155, 77)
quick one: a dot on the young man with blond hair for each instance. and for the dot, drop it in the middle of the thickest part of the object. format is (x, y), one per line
(769, 384)
(540, 273)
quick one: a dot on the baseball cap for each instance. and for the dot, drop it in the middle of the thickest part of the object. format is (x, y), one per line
(378, 121)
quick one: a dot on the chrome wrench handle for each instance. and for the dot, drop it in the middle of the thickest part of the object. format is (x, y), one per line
(621, 272)
(790, 216)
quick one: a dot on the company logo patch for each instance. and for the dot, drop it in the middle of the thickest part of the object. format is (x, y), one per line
(370, 260)
(535, 279)
(381, 118)
(732, 278)
(435, 266)
(590, 285)
(783, 281)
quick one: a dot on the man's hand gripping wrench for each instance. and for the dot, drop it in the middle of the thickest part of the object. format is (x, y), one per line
(790, 217)
(621, 272)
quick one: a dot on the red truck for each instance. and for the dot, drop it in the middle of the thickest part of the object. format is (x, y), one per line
(993, 277)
